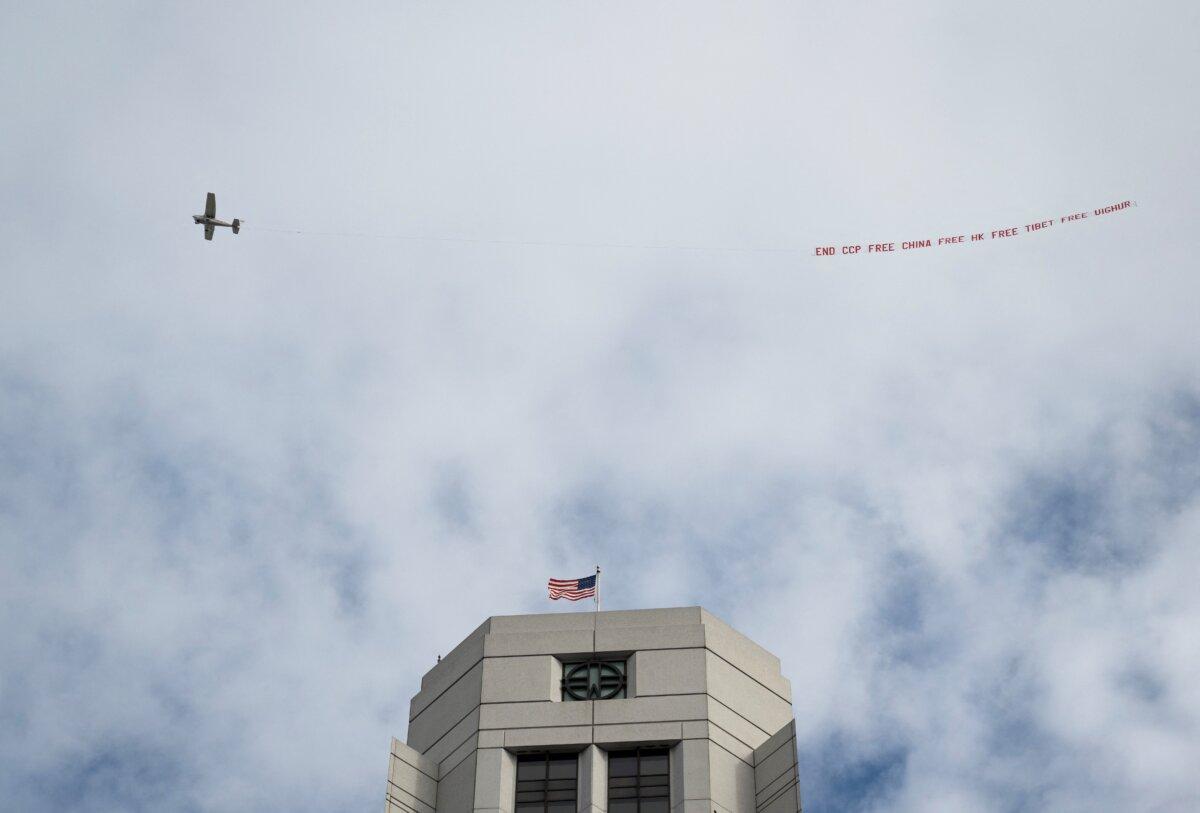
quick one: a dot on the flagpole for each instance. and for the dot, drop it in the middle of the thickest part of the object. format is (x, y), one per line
(597, 588)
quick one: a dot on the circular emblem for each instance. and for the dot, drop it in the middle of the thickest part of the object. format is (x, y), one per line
(595, 680)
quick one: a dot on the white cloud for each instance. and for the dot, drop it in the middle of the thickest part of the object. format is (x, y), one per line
(955, 492)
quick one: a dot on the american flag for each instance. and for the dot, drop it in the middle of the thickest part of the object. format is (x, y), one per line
(572, 589)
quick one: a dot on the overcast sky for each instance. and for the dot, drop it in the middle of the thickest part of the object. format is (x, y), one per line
(250, 489)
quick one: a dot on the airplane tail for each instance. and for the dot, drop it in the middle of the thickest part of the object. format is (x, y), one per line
(237, 225)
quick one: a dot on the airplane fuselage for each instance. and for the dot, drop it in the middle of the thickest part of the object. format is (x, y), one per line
(210, 221)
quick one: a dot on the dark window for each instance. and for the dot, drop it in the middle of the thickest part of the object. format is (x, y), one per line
(593, 680)
(639, 781)
(546, 783)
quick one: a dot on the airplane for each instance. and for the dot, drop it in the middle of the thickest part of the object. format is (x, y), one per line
(209, 218)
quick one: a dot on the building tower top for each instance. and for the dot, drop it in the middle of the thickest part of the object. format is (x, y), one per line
(641, 711)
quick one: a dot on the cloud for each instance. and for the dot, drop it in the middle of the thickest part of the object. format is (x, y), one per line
(957, 492)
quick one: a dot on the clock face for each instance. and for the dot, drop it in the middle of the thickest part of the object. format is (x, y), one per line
(593, 680)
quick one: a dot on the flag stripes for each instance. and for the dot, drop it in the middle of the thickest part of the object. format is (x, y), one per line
(572, 589)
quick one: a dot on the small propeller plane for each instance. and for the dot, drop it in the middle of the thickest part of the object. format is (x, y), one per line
(209, 218)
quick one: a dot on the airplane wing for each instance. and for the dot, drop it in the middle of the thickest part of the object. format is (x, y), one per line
(210, 205)
(208, 231)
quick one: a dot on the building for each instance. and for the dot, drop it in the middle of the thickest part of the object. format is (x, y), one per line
(644, 711)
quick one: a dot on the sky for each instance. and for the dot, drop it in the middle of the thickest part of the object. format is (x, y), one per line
(527, 287)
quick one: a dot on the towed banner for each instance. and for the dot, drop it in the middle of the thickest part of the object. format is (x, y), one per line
(1002, 233)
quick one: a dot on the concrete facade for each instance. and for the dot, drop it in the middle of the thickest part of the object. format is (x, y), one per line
(696, 686)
